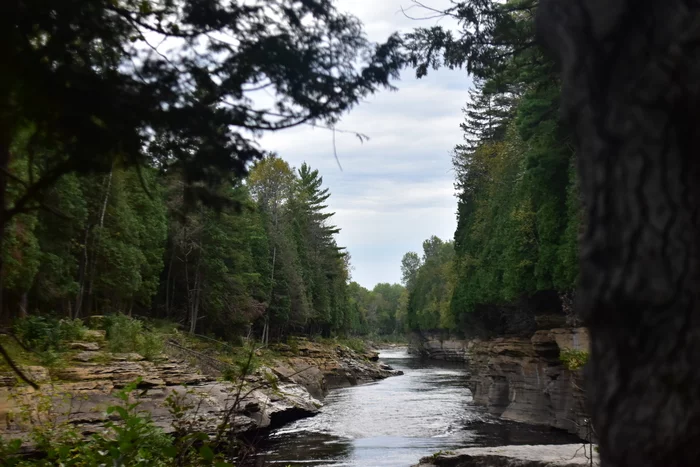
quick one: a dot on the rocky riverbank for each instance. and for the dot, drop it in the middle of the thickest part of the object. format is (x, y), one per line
(563, 455)
(521, 378)
(288, 387)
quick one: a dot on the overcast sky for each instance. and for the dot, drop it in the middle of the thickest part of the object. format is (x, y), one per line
(396, 189)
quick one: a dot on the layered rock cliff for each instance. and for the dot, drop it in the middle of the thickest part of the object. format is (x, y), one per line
(521, 378)
(79, 391)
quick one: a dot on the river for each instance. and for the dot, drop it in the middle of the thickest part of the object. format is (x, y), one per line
(396, 421)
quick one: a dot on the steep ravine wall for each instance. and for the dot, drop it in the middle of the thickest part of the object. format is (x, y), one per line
(520, 378)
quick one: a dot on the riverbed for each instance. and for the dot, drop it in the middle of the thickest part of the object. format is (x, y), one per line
(396, 421)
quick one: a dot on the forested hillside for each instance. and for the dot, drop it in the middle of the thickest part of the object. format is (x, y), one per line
(518, 213)
(266, 264)
(132, 178)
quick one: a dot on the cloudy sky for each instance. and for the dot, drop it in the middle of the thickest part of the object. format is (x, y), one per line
(395, 190)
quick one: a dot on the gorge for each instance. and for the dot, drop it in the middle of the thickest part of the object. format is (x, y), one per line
(520, 378)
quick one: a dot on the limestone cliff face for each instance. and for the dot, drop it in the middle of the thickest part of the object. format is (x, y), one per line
(521, 378)
(288, 389)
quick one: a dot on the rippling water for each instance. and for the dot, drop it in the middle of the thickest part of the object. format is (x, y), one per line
(395, 422)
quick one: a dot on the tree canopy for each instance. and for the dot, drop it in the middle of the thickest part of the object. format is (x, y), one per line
(90, 87)
(518, 210)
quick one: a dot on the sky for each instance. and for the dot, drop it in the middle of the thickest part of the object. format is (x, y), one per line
(396, 189)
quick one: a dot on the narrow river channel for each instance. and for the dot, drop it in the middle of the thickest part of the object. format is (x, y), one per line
(395, 422)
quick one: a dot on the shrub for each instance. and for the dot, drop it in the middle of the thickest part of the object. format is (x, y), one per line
(128, 335)
(150, 345)
(573, 359)
(293, 344)
(71, 329)
(122, 333)
(358, 345)
(245, 362)
(46, 333)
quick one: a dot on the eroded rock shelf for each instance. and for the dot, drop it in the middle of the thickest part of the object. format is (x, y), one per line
(562, 455)
(285, 390)
(521, 378)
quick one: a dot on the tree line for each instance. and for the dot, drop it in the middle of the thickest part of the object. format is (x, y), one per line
(127, 134)
(518, 209)
(267, 264)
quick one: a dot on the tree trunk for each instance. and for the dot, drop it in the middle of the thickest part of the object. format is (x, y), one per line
(167, 282)
(23, 305)
(631, 90)
(196, 291)
(5, 138)
(96, 243)
(82, 272)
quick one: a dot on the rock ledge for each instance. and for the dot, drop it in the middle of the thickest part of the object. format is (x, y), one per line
(550, 455)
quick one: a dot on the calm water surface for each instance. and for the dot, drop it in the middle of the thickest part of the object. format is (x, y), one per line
(396, 421)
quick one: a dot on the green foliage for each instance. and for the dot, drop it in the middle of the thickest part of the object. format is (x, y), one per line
(125, 334)
(573, 359)
(47, 333)
(429, 295)
(244, 362)
(307, 273)
(227, 272)
(356, 344)
(353, 343)
(378, 311)
(155, 165)
(130, 438)
(518, 215)
(314, 59)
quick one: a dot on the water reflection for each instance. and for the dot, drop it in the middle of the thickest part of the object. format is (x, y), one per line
(393, 422)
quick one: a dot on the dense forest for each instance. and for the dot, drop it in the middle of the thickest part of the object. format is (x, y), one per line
(135, 182)
(518, 213)
(238, 242)
(125, 242)
(249, 248)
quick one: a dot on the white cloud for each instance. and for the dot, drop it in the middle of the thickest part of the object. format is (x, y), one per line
(396, 189)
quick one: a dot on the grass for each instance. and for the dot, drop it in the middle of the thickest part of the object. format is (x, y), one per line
(353, 343)
(48, 333)
(20, 356)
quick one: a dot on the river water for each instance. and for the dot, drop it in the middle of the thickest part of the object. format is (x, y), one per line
(396, 421)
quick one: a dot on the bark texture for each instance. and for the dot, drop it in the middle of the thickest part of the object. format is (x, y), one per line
(631, 90)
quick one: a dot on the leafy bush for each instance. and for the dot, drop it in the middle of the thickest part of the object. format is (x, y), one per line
(293, 344)
(244, 363)
(122, 332)
(150, 345)
(46, 334)
(128, 335)
(573, 359)
(358, 345)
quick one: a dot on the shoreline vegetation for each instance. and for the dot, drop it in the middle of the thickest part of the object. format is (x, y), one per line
(141, 392)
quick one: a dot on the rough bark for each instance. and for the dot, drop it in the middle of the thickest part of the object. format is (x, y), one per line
(4, 168)
(631, 90)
